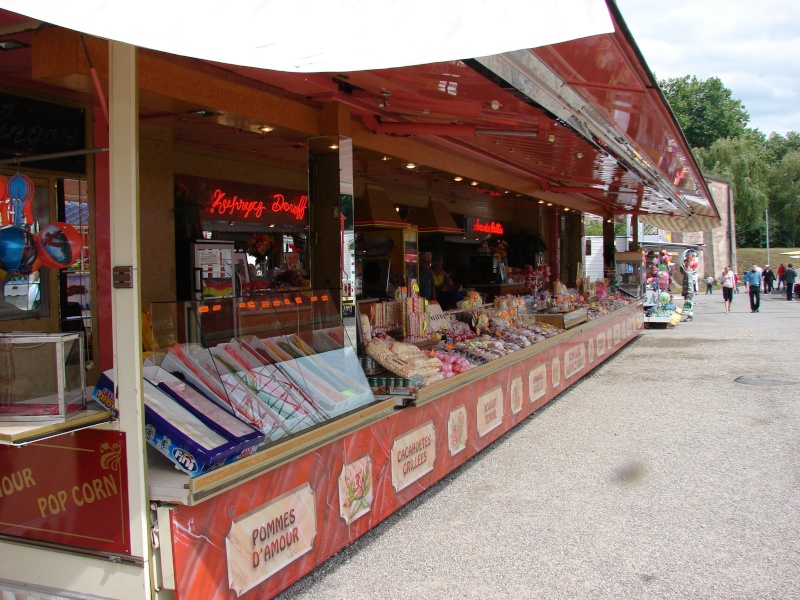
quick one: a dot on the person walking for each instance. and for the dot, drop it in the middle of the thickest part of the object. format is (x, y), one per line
(752, 283)
(769, 278)
(781, 271)
(709, 284)
(728, 282)
(735, 283)
(789, 275)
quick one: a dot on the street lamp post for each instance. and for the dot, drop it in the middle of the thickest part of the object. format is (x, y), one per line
(766, 217)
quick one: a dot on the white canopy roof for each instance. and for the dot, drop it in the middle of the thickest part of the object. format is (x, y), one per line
(326, 36)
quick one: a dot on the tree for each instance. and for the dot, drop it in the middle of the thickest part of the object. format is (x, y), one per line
(705, 110)
(784, 206)
(778, 146)
(745, 161)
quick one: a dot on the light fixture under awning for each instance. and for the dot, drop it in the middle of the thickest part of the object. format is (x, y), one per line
(435, 218)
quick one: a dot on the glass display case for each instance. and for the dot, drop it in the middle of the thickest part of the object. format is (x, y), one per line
(280, 363)
(41, 376)
(630, 272)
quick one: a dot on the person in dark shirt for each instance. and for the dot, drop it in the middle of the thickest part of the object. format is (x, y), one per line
(789, 275)
(427, 288)
(769, 278)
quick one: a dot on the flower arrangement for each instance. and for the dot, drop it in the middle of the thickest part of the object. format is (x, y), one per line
(261, 245)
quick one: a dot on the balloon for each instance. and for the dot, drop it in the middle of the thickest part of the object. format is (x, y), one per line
(664, 297)
(59, 245)
(18, 250)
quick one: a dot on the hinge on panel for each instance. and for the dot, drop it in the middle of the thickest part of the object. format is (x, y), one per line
(122, 277)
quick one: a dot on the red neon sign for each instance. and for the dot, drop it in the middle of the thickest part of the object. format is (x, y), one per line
(222, 204)
(492, 227)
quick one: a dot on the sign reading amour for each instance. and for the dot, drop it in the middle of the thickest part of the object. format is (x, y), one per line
(268, 538)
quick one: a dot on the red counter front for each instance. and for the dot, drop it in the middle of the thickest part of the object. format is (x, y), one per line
(257, 538)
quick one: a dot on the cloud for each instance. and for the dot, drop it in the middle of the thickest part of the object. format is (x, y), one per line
(753, 47)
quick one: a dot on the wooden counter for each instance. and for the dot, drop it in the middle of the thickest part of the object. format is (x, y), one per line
(492, 290)
(563, 320)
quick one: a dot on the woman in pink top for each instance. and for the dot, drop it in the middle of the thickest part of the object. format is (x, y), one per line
(728, 281)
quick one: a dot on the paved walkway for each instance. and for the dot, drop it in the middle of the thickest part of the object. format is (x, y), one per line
(657, 476)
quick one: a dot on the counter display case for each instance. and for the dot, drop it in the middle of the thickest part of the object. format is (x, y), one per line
(280, 363)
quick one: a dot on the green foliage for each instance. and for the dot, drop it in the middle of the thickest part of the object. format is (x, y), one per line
(784, 206)
(705, 110)
(778, 146)
(523, 246)
(744, 161)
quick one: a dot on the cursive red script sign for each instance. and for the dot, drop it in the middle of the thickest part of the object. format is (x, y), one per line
(298, 210)
(494, 228)
(222, 204)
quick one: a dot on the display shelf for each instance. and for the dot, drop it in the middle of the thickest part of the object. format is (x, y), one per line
(564, 320)
(281, 363)
(19, 434)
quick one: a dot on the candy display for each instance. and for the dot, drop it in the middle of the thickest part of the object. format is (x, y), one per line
(405, 359)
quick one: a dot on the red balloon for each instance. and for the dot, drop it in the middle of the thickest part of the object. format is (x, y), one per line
(59, 245)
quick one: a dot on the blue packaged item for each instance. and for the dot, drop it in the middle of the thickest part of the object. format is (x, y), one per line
(178, 434)
(246, 438)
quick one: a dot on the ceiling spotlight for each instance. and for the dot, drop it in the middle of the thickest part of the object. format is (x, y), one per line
(334, 146)
(495, 105)
(579, 155)
(474, 183)
(566, 209)
(457, 178)
(549, 204)
(266, 129)
(386, 158)
(410, 166)
(541, 201)
(551, 138)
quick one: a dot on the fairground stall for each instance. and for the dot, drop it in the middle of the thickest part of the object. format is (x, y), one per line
(187, 409)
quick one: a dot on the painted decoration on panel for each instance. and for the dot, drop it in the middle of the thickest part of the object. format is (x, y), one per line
(555, 374)
(457, 430)
(270, 537)
(537, 382)
(617, 334)
(574, 360)
(601, 344)
(516, 395)
(203, 534)
(413, 455)
(490, 411)
(590, 350)
(355, 489)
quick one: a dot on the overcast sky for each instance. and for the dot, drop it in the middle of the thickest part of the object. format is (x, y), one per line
(753, 46)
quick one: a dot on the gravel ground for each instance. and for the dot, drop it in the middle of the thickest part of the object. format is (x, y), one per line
(657, 476)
